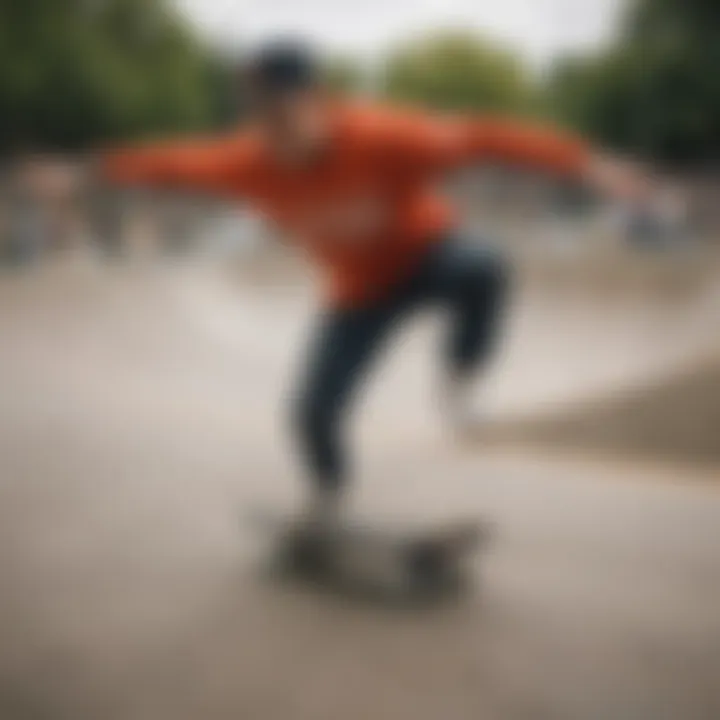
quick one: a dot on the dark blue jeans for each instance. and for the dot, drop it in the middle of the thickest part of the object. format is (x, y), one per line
(458, 274)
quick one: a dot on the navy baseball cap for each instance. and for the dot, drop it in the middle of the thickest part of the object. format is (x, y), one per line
(281, 67)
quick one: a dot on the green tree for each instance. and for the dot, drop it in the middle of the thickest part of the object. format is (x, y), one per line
(458, 71)
(656, 91)
(74, 72)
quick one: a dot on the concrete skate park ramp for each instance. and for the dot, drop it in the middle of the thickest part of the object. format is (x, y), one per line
(675, 418)
(662, 399)
(142, 409)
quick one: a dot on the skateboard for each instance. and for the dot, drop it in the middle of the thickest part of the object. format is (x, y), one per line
(390, 563)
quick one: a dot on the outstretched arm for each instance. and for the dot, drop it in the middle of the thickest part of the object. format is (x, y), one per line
(218, 166)
(428, 146)
(526, 145)
(557, 152)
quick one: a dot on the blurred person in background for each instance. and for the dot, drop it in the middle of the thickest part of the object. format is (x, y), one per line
(106, 213)
(27, 227)
(355, 186)
(43, 212)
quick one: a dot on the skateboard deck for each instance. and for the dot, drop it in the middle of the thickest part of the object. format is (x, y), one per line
(386, 562)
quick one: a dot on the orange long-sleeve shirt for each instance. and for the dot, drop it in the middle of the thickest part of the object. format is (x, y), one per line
(366, 209)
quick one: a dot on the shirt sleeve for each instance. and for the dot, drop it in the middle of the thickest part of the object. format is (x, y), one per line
(218, 166)
(424, 146)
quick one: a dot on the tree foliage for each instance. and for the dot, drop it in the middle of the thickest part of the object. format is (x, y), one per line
(457, 71)
(77, 71)
(656, 91)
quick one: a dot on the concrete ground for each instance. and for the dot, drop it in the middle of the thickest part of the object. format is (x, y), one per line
(140, 412)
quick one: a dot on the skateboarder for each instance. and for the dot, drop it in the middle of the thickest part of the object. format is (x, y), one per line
(354, 185)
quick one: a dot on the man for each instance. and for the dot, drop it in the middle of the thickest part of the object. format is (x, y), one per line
(354, 185)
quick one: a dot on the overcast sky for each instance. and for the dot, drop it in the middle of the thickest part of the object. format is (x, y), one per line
(538, 28)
